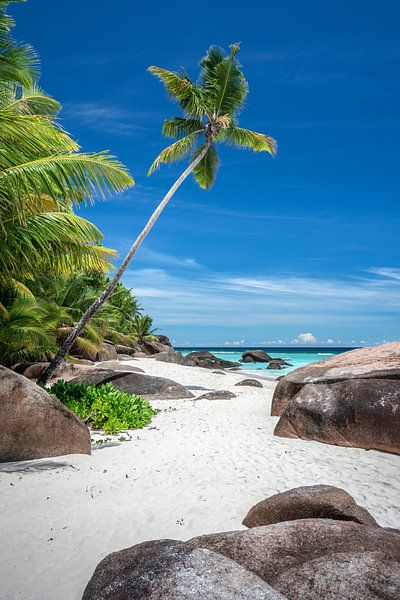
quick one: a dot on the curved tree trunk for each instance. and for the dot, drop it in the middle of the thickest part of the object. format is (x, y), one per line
(67, 344)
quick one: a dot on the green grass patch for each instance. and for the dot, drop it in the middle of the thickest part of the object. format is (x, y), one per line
(104, 407)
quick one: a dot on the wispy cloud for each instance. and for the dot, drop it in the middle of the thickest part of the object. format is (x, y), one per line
(386, 272)
(208, 298)
(107, 117)
(162, 258)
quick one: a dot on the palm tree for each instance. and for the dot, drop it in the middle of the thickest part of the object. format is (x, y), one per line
(142, 325)
(42, 175)
(210, 108)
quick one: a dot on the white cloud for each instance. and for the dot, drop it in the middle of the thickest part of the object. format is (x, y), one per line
(205, 298)
(386, 272)
(305, 338)
(156, 258)
(234, 343)
(107, 117)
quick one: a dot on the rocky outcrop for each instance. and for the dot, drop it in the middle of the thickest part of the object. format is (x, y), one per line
(127, 350)
(34, 424)
(66, 371)
(172, 570)
(170, 357)
(379, 362)
(316, 501)
(250, 383)
(151, 347)
(342, 576)
(217, 395)
(152, 388)
(108, 351)
(272, 550)
(203, 358)
(252, 356)
(361, 413)
(115, 365)
(352, 399)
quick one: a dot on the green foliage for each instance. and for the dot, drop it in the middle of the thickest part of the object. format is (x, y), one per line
(104, 407)
(43, 175)
(34, 324)
(210, 109)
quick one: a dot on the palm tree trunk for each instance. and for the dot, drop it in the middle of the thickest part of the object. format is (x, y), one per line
(66, 346)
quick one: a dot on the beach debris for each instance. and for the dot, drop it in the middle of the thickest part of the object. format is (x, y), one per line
(314, 501)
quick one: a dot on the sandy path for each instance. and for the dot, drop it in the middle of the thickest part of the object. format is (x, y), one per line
(198, 468)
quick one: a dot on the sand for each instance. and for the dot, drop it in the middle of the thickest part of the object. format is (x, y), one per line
(197, 468)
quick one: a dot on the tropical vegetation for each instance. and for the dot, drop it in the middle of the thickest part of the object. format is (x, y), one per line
(210, 108)
(104, 407)
(52, 261)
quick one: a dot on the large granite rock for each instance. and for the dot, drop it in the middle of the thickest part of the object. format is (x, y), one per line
(115, 365)
(154, 347)
(152, 388)
(252, 356)
(315, 501)
(172, 570)
(66, 370)
(34, 424)
(379, 362)
(358, 576)
(108, 351)
(170, 357)
(127, 350)
(361, 413)
(352, 399)
(272, 550)
(203, 358)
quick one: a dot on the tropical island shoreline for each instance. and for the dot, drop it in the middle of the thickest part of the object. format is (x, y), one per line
(197, 468)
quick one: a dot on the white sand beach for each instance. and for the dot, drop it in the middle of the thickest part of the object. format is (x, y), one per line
(196, 469)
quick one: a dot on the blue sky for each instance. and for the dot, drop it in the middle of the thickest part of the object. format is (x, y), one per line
(307, 242)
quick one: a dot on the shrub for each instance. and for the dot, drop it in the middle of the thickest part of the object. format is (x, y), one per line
(104, 407)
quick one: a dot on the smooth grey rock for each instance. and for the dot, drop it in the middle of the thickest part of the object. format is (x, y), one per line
(217, 395)
(171, 570)
(34, 424)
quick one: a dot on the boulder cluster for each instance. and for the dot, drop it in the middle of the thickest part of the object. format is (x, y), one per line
(310, 543)
(260, 356)
(352, 399)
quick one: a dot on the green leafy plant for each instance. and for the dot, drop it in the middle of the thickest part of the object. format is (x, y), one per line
(104, 407)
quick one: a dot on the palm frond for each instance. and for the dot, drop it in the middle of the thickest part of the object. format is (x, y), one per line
(245, 138)
(182, 90)
(178, 127)
(174, 152)
(206, 170)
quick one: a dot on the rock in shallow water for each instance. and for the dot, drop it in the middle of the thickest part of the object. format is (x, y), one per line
(34, 424)
(172, 570)
(316, 501)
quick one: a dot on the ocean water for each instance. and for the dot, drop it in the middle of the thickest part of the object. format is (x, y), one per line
(297, 357)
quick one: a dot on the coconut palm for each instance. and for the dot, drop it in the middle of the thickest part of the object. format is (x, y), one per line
(210, 108)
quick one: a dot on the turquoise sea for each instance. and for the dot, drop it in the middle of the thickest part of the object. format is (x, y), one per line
(297, 357)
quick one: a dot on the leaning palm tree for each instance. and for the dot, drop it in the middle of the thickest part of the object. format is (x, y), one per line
(210, 107)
